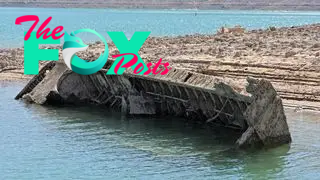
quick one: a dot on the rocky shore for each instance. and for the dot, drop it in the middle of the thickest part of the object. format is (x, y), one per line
(289, 57)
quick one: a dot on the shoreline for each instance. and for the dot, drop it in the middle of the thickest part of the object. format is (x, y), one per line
(205, 5)
(198, 11)
(289, 57)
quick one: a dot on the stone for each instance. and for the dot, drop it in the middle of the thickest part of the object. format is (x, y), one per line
(290, 54)
(316, 45)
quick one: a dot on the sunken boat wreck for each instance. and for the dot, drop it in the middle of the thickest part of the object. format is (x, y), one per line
(257, 111)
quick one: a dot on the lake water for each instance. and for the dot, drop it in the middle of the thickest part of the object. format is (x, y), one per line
(39, 142)
(159, 22)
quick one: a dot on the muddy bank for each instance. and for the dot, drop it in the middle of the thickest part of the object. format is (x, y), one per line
(288, 57)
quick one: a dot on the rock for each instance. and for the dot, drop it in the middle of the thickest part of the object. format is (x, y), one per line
(290, 54)
(316, 45)
(293, 44)
(237, 54)
(272, 28)
(220, 55)
(249, 44)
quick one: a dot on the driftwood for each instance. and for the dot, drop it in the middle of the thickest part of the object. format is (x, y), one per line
(10, 68)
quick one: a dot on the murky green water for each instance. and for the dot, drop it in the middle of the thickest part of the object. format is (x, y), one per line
(39, 142)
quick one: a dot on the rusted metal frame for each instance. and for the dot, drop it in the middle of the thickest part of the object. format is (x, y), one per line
(85, 85)
(119, 100)
(228, 107)
(145, 85)
(223, 102)
(96, 99)
(232, 109)
(92, 80)
(204, 96)
(178, 90)
(154, 86)
(164, 95)
(170, 89)
(109, 84)
(168, 97)
(212, 98)
(209, 103)
(220, 105)
(101, 84)
(108, 99)
(204, 105)
(239, 106)
(187, 85)
(163, 91)
(102, 81)
(104, 95)
(157, 87)
(195, 93)
(119, 79)
(237, 109)
(231, 104)
(218, 113)
(114, 101)
(186, 91)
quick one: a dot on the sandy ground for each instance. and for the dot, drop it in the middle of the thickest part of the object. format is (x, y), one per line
(288, 57)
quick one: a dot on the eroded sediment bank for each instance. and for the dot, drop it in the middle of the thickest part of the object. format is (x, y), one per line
(288, 57)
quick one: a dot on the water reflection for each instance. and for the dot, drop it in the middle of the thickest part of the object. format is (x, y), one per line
(160, 132)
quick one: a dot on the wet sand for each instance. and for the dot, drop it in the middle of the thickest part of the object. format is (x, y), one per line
(289, 57)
